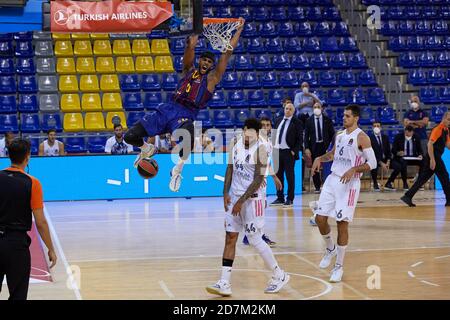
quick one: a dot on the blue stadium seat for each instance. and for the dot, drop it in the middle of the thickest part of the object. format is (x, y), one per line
(292, 45)
(269, 80)
(250, 30)
(241, 46)
(405, 28)
(7, 84)
(236, 3)
(132, 101)
(6, 49)
(432, 43)
(152, 100)
(169, 81)
(177, 45)
(331, 14)
(426, 59)
(6, 66)
(27, 84)
(51, 121)
(25, 66)
(201, 45)
(440, 27)
(346, 79)
(34, 146)
(339, 117)
(429, 95)
(412, 12)
(256, 45)
(28, 103)
(8, 104)
(23, 36)
(417, 77)
(223, 119)
(259, 113)
(286, 29)
(366, 117)
(443, 59)
(319, 61)
(408, 60)
(178, 63)
(397, 43)
(278, 13)
(150, 82)
(389, 28)
(444, 95)
(96, 144)
(311, 44)
(415, 43)
(223, 12)
(129, 82)
(423, 27)
(338, 61)
(8, 122)
(330, 44)
(275, 97)
(267, 29)
(314, 13)
(387, 115)
(289, 80)
(29, 123)
(304, 29)
(436, 76)
(375, 96)
(327, 78)
(428, 12)
(437, 113)
(322, 29)
(330, 114)
(6, 36)
(274, 45)
(340, 29)
(75, 145)
(281, 62)
(296, 14)
(240, 116)
(300, 62)
(231, 80)
(309, 77)
(357, 96)
(134, 116)
(205, 118)
(367, 78)
(243, 12)
(262, 62)
(347, 44)
(250, 80)
(261, 13)
(336, 97)
(24, 49)
(256, 98)
(218, 100)
(236, 99)
(243, 62)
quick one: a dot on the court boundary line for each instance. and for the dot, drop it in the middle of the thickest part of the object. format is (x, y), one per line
(58, 246)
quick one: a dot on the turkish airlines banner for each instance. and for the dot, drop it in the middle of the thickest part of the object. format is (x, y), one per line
(108, 16)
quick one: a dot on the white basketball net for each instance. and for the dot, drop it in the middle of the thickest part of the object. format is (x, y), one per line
(220, 34)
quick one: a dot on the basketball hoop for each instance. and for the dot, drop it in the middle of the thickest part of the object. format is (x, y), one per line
(219, 32)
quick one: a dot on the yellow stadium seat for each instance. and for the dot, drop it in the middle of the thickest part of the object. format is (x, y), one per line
(141, 47)
(73, 122)
(163, 64)
(70, 102)
(102, 48)
(109, 82)
(109, 120)
(91, 102)
(68, 83)
(61, 36)
(89, 83)
(160, 47)
(80, 36)
(63, 48)
(82, 48)
(105, 65)
(65, 66)
(99, 36)
(144, 64)
(124, 65)
(121, 48)
(85, 65)
(94, 121)
(112, 101)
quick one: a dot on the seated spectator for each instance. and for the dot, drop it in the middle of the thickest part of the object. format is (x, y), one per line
(203, 143)
(164, 143)
(382, 149)
(5, 142)
(51, 147)
(406, 151)
(418, 119)
(116, 144)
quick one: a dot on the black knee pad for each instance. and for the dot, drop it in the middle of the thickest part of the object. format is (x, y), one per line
(135, 135)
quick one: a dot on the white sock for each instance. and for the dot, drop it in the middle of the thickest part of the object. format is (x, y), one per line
(329, 241)
(269, 259)
(226, 274)
(179, 166)
(340, 255)
(277, 272)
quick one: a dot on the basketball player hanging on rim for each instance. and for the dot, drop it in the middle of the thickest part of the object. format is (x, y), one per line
(194, 90)
(352, 155)
(244, 204)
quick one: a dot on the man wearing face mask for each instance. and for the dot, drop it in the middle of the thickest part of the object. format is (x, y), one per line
(406, 151)
(382, 149)
(418, 119)
(304, 102)
(319, 131)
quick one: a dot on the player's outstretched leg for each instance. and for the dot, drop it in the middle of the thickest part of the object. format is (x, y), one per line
(135, 136)
(338, 270)
(325, 231)
(186, 144)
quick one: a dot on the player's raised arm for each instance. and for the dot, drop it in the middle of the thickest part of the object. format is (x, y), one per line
(189, 52)
(217, 75)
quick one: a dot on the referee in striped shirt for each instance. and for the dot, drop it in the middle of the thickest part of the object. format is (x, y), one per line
(20, 198)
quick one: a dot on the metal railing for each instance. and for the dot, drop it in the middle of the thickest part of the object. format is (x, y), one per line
(399, 93)
(388, 76)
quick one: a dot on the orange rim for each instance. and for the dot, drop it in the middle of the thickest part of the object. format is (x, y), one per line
(219, 20)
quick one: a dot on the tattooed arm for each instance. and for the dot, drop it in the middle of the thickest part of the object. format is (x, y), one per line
(228, 176)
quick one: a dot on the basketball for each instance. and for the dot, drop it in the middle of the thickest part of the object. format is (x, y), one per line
(148, 168)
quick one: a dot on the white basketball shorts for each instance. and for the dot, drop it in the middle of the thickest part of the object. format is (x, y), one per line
(251, 218)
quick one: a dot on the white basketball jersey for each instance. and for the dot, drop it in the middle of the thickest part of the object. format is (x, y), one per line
(51, 151)
(244, 163)
(347, 154)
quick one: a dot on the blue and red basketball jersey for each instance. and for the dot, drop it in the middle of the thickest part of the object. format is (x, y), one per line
(192, 91)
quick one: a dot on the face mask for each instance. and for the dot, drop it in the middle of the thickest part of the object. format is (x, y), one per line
(317, 112)
(305, 90)
(408, 138)
(376, 130)
(414, 105)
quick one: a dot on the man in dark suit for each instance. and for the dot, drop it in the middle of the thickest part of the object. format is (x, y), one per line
(406, 145)
(288, 144)
(382, 149)
(319, 131)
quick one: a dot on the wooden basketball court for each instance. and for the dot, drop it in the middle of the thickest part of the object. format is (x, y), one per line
(171, 249)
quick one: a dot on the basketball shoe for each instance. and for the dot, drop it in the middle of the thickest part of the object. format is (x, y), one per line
(277, 283)
(326, 260)
(146, 152)
(337, 273)
(221, 288)
(175, 179)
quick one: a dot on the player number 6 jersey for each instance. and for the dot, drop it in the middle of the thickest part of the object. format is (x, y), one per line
(347, 154)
